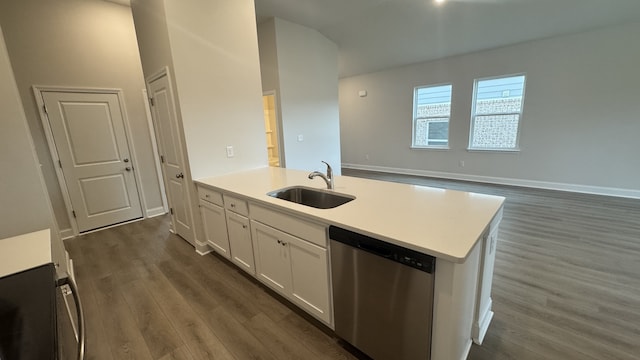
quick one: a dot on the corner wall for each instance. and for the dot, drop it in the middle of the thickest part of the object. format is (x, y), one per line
(302, 66)
(579, 127)
(79, 43)
(25, 205)
(214, 48)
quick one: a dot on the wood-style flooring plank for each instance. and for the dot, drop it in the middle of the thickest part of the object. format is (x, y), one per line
(156, 329)
(193, 331)
(276, 339)
(121, 332)
(236, 337)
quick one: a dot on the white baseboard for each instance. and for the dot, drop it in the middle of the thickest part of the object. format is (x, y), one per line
(158, 211)
(584, 189)
(467, 350)
(480, 328)
(203, 248)
(66, 234)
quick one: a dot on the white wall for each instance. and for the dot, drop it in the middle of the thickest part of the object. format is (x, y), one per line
(214, 46)
(211, 50)
(25, 206)
(580, 123)
(307, 92)
(79, 43)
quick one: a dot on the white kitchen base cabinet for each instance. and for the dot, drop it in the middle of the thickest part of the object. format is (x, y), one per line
(215, 227)
(294, 268)
(240, 242)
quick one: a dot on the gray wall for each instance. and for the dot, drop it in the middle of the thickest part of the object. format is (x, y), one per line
(579, 128)
(305, 78)
(25, 206)
(79, 43)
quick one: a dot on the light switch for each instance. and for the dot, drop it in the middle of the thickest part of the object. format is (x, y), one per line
(230, 151)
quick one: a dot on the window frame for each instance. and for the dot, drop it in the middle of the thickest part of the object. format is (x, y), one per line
(415, 118)
(516, 148)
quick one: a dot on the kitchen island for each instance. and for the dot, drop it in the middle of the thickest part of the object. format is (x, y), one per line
(458, 228)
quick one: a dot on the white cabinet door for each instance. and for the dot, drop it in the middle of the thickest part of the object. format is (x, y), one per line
(293, 267)
(215, 227)
(240, 242)
(272, 258)
(310, 278)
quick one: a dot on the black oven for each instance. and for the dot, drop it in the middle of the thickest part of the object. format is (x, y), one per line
(32, 317)
(28, 314)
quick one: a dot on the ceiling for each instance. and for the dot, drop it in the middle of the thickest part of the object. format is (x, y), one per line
(377, 34)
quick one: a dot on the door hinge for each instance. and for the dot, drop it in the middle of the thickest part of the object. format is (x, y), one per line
(151, 101)
(44, 107)
(162, 159)
(74, 213)
(60, 164)
(171, 211)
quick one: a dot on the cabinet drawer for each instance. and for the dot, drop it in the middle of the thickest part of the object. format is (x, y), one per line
(312, 232)
(210, 195)
(236, 205)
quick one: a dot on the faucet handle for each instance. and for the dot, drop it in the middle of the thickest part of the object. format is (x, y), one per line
(329, 169)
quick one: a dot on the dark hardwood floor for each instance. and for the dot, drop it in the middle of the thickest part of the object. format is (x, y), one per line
(566, 286)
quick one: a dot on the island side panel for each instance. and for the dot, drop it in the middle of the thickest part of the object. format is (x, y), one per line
(455, 293)
(483, 312)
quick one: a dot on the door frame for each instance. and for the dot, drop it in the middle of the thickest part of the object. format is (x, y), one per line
(38, 91)
(156, 157)
(279, 130)
(164, 71)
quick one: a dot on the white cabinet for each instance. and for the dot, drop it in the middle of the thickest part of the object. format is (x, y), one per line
(239, 234)
(293, 267)
(213, 219)
(240, 242)
(272, 257)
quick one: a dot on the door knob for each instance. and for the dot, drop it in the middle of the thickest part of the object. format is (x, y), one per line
(126, 160)
(127, 168)
(180, 176)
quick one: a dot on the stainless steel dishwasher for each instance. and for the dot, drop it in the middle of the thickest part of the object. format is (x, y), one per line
(382, 296)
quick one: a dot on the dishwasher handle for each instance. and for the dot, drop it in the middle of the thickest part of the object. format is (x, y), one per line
(377, 250)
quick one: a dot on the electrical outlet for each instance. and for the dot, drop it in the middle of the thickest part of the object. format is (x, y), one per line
(230, 151)
(300, 137)
(366, 157)
(461, 163)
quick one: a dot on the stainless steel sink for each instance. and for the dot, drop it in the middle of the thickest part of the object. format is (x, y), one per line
(317, 198)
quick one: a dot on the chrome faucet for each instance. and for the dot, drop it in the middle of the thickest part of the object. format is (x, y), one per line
(327, 178)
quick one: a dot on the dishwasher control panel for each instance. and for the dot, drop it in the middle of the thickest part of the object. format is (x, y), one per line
(384, 249)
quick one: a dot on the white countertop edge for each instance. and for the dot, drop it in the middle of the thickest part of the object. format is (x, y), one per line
(304, 212)
(23, 252)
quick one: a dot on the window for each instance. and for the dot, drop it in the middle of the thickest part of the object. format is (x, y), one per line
(496, 113)
(431, 112)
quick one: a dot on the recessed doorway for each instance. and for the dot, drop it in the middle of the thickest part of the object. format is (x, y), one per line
(274, 149)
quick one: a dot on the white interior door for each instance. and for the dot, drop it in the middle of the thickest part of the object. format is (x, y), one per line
(89, 135)
(171, 158)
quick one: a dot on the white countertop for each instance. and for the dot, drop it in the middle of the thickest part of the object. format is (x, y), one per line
(442, 223)
(24, 252)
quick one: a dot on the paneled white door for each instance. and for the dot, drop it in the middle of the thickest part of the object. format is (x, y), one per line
(171, 158)
(90, 138)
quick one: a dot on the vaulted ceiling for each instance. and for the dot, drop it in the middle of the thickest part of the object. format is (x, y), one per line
(377, 34)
